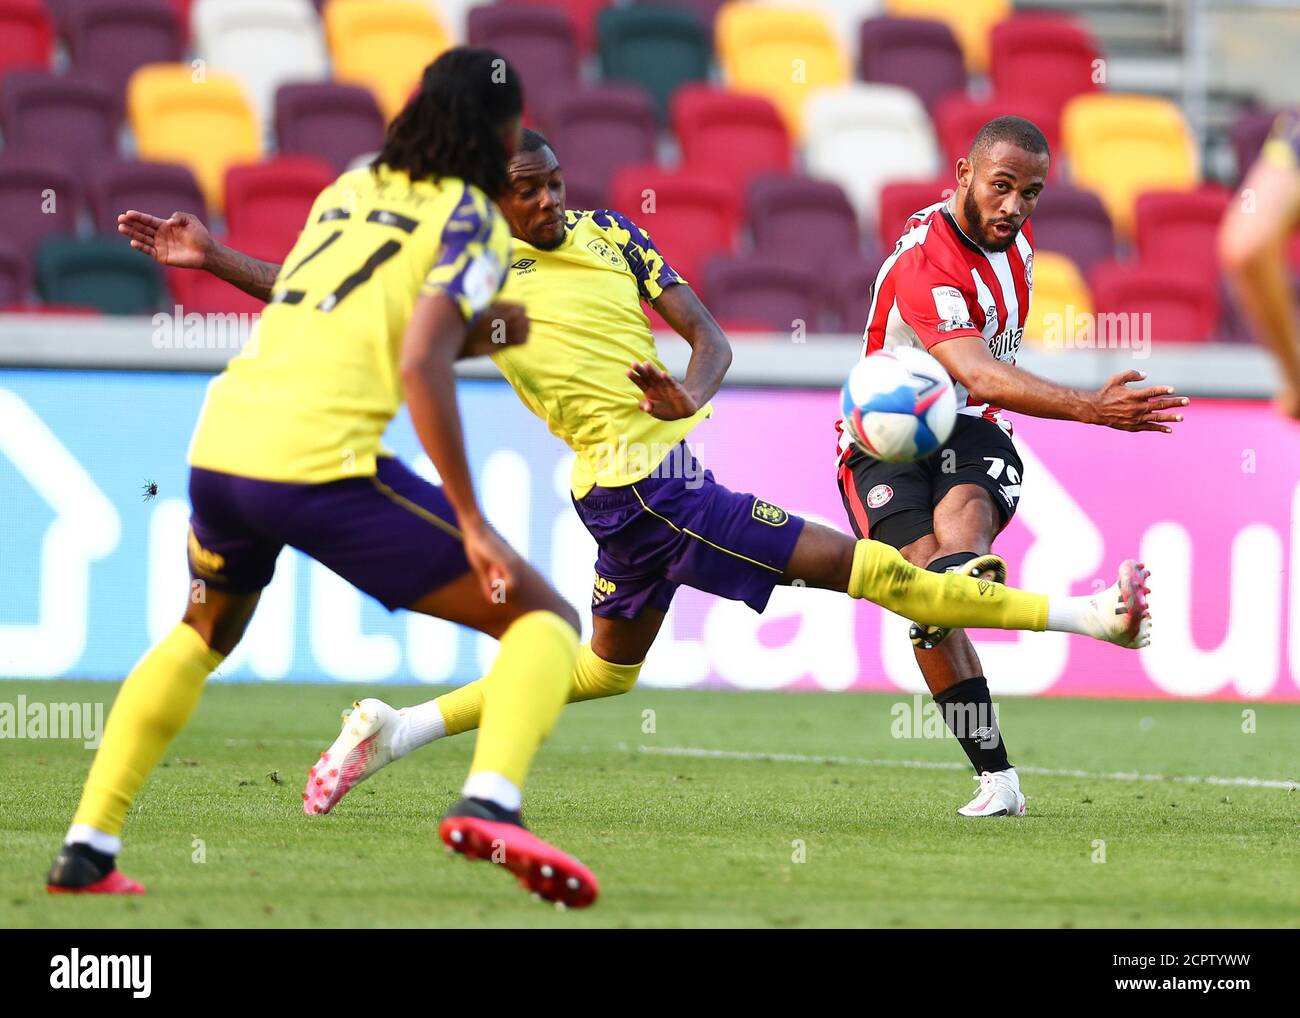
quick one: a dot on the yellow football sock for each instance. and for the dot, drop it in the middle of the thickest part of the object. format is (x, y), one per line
(593, 677)
(523, 694)
(153, 704)
(950, 600)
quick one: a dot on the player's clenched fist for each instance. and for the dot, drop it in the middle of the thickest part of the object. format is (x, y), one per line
(1126, 409)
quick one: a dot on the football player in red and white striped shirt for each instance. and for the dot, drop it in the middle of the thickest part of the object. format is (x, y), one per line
(958, 284)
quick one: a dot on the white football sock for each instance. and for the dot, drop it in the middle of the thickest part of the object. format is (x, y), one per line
(1070, 615)
(495, 788)
(421, 725)
(84, 834)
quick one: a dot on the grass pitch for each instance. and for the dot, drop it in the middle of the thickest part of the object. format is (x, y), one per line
(738, 809)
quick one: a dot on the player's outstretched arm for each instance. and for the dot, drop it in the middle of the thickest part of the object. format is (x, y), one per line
(1115, 405)
(435, 334)
(665, 397)
(183, 242)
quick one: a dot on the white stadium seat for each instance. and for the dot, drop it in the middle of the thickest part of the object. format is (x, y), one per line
(264, 43)
(862, 137)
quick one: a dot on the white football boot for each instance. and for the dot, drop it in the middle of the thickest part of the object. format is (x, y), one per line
(366, 743)
(1119, 614)
(998, 796)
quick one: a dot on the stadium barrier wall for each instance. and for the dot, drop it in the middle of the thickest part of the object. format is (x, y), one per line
(91, 571)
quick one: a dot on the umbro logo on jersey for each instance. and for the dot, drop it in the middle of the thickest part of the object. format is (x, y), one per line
(524, 264)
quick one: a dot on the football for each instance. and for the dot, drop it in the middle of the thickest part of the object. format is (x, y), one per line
(898, 405)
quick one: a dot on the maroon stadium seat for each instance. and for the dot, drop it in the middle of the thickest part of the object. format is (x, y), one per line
(1075, 223)
(1048, 56)
(581, 16)
(597, 130)
(109, 39)
(1183, 309)
(15, 274)
(334, 122)
(1248, 134)
(1181, 228)
(903, 197)
(156, 188)
(729, 135)
(539, 43)
(958, 119)
(271, 199)
(30, 183)
(917, 53)
(26, 37)
(765, 289)
(694, 216)
(853, 280)
(801, 219)
(77, 118)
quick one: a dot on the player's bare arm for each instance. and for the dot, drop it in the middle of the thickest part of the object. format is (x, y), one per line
(665, 397)
(434, 336)
(1114, 405)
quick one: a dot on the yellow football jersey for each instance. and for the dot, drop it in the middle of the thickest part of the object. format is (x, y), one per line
(310, 396)
(587, 328)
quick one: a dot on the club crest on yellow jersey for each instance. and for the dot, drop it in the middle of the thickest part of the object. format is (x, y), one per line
(606, 251)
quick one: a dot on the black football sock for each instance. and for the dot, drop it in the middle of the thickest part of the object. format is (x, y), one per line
(968, 711)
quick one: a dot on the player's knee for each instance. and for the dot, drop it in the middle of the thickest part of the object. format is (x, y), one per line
(221, 625)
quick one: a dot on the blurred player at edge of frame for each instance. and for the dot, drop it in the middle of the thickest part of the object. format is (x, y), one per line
(402, 261)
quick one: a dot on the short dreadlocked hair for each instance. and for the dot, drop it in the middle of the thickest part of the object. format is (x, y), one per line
(450, 127)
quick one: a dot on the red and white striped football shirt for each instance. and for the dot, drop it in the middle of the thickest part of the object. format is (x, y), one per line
(939, 284)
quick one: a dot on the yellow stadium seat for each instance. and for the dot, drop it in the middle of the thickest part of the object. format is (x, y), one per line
(383, 45)
(202, 121)
(782, 53)
(970, 21)
(1061, 303)
(1122, 145)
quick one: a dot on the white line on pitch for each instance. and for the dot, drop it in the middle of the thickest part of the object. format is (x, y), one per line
(938, 765)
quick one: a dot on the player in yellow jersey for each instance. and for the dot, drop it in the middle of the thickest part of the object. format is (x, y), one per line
(591, 371)
(393, 277)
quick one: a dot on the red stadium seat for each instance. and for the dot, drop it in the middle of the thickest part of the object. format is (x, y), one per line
(26, 36)
(597, 130)
(1050, 57)
(729, 135)
(1183, 309)
(917, 53)
(272, 199)
(765, 290)
(801, 219)
(202, 293)
(688, 216)
(958, 119)
(1181, 228)
(899, 200)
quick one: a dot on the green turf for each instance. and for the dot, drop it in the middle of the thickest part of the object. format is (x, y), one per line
(688, 841)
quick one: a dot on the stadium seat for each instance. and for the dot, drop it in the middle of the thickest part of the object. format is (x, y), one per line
(766, 290)
(1179, 228)
(102, 272)
(1122, 145)
(272, 199)
(863, 136)
(77, 118)
(156, 188)
(1075, 223)
(384, 45)
(1248, 133)
(207, 126)
(39, 197)
(597, 130)
(729, 135)
(26, 37)
(970, 21)
(845, 16)
(15, 275)
(538, 42)
(958, 118)
(1182, 308)
(110, 40)
(804, 220)
(917, 53)
(582, 16)
(264, 43)
(899, 200)
(854, 280)
(336, 123)
(203, 293)
(1061, 297)
(1049, 57)
(689, 217)
(786, 54)
(657, 48)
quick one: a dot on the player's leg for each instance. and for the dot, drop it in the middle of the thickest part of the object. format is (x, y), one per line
(229, 566)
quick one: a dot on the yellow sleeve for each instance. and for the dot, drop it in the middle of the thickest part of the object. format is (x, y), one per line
(473, 254)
